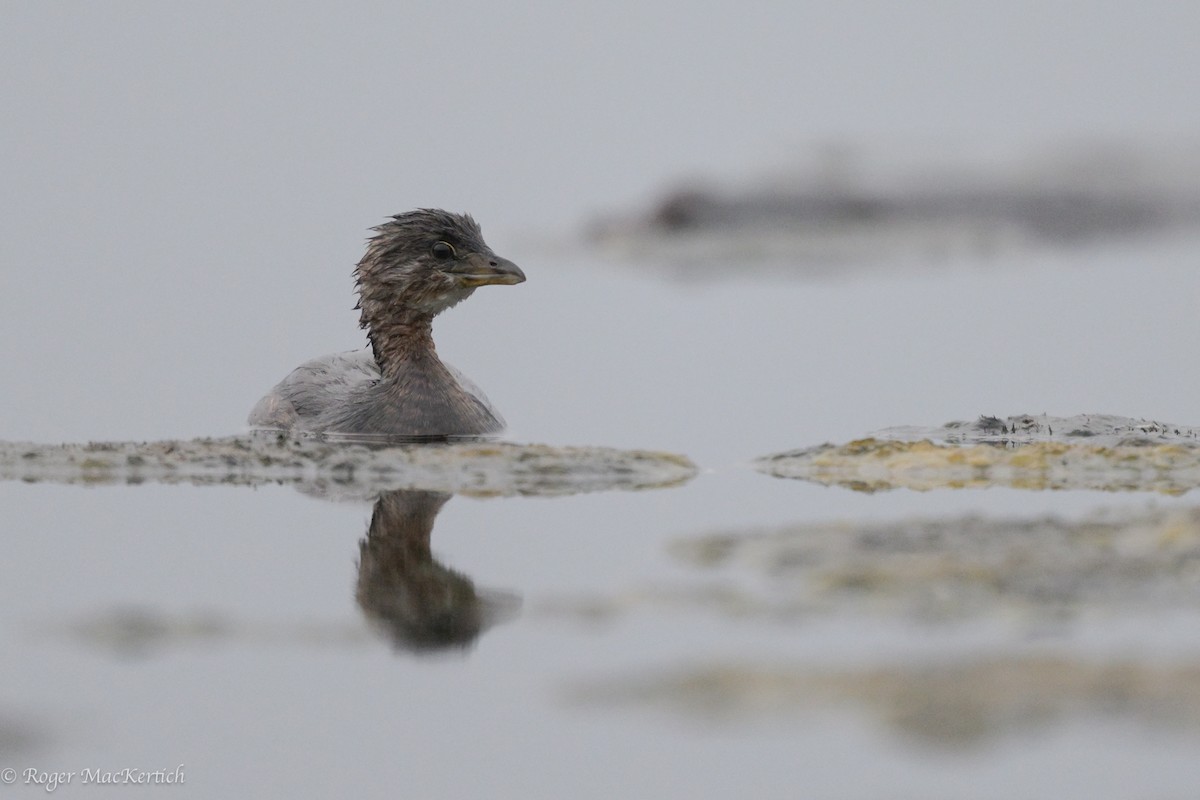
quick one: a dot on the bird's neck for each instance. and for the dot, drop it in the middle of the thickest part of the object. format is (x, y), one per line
(405, 518)
(398, 340)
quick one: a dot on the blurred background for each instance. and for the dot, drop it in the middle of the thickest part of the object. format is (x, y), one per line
(187, 187)
(174, 173)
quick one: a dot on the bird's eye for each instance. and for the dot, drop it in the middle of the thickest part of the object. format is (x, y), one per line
(442, 250)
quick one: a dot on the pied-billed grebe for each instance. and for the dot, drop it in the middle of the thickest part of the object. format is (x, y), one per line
(407, 594)
(416, 265)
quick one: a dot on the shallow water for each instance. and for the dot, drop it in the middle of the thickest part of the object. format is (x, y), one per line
(231, 629)
(186, 192)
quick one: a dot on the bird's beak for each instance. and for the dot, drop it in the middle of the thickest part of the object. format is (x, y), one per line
(482, 269)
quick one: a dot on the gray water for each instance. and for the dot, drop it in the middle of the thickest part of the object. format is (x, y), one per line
(217, 627)
(186, 194)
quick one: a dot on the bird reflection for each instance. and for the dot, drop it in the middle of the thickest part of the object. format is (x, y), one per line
(418, 603)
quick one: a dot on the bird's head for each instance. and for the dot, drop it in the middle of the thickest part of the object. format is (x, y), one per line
(422, 262)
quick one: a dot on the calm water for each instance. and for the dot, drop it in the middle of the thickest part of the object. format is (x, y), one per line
(151, 626)
(186, 191)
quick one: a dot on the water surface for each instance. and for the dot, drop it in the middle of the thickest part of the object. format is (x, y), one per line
(224, 627)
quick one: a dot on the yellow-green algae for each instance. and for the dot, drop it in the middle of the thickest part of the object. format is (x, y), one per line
(956, 703)
(1096, 452)
(352, 469)
(143, 631)
(1026, 572)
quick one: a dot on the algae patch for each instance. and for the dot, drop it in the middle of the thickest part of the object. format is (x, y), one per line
(1034, 573)
(963, 702)
(142, 632)
(348, 469)
(1098, 452)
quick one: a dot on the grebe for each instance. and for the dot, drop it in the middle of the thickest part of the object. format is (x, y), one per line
(417, 265)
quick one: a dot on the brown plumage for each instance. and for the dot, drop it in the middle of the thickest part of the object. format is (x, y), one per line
(417, 265)
(420, 604)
